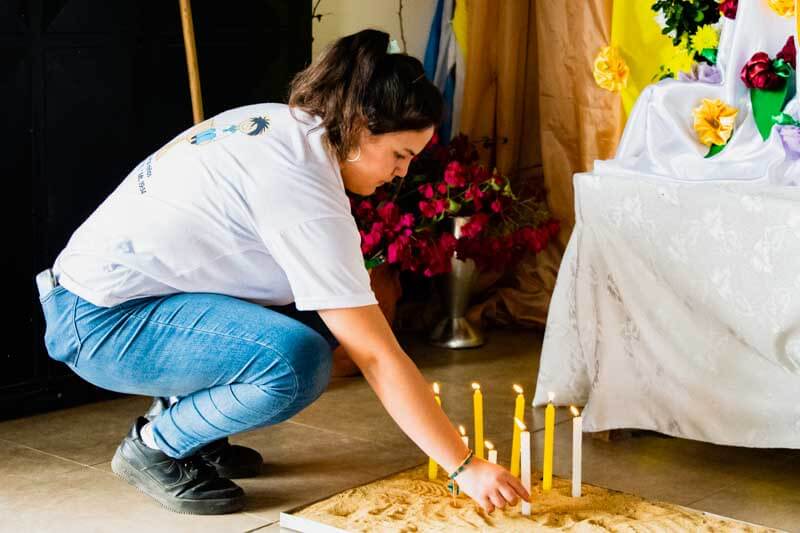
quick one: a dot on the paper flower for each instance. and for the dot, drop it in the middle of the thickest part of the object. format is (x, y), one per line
(759, 74)
(702, 72)
(789, 131)
(784, 8)
(610, 70)
(704, 38)
(789, 53)
(714, 121)
(728, 8)
(790, 135)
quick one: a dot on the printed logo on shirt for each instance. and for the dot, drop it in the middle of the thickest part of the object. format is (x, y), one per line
(144, 170)
(206, 132)
(251, 126)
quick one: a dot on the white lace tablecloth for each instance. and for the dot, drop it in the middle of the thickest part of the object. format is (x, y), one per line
(677, 309)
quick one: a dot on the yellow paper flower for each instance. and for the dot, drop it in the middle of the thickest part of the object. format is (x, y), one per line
(610, 70)
(714, 121)
(705, 37)
(784, 8)
(680, 60)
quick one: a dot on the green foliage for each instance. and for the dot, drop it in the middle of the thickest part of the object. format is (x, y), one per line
(683, 17)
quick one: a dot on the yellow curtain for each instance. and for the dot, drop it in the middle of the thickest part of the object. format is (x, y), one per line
(644, 48)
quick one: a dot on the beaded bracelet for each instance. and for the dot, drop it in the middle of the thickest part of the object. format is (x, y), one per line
(463, 465)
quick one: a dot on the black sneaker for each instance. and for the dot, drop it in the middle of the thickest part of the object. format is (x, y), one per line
(182, 485)
(230, 460)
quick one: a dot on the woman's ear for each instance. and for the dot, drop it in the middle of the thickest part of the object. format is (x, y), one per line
(363, 135)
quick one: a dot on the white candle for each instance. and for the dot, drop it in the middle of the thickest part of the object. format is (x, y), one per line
(464, 437)
(525, 462)
(577, 443)
(492, 452)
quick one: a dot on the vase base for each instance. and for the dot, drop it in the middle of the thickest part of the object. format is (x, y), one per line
(456, 333)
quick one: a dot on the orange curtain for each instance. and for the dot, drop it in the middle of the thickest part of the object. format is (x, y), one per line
(529, 86)
(500, 94)
(579, 122)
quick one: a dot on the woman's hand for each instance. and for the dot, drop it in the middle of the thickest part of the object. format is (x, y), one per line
(490, 485)
(408, 398)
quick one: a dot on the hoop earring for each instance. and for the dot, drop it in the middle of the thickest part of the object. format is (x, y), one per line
(356, 158)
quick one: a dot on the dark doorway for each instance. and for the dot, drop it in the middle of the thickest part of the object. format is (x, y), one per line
(89, 88)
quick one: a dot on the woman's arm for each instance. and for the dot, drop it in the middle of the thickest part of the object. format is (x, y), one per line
(401, 388)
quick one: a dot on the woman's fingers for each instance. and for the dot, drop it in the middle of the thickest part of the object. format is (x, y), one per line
(487, 505)
(497, 499)
(518, 488)
(508, 494)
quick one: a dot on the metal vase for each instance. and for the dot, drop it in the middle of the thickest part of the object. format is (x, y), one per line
(454, 331)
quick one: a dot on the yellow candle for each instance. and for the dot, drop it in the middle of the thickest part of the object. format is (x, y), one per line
(519, 413)
(433, 468)
(477, 405)
(549, 432)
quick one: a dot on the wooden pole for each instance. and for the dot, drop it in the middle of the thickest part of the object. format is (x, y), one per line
(191, 60)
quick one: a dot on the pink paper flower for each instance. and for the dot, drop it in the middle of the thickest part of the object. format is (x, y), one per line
(475, 225)
(426, 190)
(454, 174)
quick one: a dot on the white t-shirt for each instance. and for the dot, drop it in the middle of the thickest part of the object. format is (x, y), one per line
(248, 203)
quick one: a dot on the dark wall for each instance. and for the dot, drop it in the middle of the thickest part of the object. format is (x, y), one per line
(89, 88)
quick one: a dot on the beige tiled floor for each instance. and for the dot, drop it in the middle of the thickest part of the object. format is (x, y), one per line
(55, 473)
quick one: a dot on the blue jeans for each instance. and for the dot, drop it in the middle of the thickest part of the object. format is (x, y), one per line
(235, 365)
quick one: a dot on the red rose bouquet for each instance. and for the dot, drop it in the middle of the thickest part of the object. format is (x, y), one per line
(406, 222)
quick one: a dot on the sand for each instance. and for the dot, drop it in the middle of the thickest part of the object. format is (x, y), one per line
(408, 502)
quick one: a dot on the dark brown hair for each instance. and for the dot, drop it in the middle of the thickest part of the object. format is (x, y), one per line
(355, 83)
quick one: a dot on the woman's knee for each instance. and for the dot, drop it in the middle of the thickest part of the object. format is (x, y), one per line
(307, 361)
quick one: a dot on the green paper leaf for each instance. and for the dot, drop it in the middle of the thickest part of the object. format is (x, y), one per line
(782, 68)
(710, 54)
(785, 119)
(453, 206)
(768, 103)
(715, 149)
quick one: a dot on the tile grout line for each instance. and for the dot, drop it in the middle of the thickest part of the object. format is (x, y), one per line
(712, 493)
(259, 528)
(47, 453)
